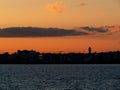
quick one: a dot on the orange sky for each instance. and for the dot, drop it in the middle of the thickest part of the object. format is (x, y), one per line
(60, 14)
(60, 44)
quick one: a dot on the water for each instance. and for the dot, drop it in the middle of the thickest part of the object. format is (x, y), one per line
(59, 77)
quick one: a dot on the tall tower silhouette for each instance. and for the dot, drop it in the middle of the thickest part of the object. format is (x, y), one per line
(89, 50)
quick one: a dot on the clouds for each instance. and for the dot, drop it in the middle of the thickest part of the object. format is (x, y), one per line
(37, 32)
(94, 29)
(57, 32)
(82, 4)
(56, 7)
(104, 30)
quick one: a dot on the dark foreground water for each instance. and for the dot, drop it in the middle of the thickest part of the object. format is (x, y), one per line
(59, 77)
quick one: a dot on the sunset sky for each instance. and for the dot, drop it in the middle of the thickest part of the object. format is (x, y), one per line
(65, 14)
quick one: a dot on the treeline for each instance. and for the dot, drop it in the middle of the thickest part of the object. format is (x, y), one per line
(33, 57)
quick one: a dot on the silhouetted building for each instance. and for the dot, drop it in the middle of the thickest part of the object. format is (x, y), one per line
(89, 50)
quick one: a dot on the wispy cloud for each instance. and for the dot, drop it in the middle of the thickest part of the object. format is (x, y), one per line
(93, 29)
(104, 30)
(57, 7)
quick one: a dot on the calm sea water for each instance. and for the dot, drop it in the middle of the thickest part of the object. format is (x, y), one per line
(59, 77)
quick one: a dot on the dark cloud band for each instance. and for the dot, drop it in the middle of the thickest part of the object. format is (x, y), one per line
(56, 32)
(37, 32)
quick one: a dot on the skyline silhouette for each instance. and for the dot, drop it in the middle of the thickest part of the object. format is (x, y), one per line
(34, 57)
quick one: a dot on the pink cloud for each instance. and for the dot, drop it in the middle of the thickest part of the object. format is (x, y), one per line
(57, 7)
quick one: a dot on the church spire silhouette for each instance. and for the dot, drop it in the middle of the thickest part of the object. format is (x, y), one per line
(89, 50)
